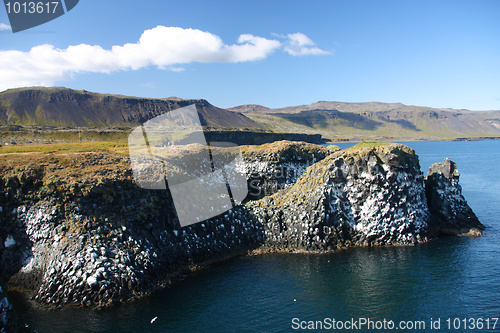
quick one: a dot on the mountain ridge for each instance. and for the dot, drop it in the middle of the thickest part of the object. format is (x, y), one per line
(64, 107)
(344, 106)
(332, 118)
(80, 108)
(249, 108)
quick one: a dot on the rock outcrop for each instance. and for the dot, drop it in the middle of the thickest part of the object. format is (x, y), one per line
(450, 213)
(361, 197)
(75, 229)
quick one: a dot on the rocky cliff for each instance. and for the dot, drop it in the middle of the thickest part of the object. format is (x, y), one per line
(75, 229)
(366, 197)
(361, 197)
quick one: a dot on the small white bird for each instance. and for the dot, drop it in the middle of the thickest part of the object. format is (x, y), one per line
(154, 319)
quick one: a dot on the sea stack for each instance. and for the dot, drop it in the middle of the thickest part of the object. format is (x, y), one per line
(450, 213)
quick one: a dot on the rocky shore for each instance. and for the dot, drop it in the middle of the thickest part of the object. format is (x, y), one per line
(76, 230)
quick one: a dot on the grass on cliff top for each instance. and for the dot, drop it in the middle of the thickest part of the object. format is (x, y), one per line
(64, 148)
(121, 148)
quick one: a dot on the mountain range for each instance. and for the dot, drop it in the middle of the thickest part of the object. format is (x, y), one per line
(63, 107)
(374, 118)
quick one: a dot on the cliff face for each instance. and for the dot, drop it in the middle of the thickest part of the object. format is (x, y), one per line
(76, 230)
(83, 233)
(364, 197)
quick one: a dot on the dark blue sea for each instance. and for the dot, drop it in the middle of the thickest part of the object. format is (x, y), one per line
(447, 285)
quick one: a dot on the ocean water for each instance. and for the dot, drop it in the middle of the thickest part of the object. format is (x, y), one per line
(452, 284)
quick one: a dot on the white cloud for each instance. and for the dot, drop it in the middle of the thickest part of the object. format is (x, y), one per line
(298, 44)
(4, 26)
(274, 34)
(166, 48)
(176, 69)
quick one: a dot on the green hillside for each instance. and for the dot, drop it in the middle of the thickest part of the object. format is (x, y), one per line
(336, 119)
(64, 107)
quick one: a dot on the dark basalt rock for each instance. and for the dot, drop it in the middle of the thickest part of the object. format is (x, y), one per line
(85, 234)
(9, 321)
(371, 196)
(450, 213)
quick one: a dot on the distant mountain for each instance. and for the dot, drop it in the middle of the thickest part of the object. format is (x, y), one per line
(250, 108)
(65, 107)
(379, 119)
(75, 108)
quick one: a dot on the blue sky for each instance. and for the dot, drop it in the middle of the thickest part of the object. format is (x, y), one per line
(274, 53)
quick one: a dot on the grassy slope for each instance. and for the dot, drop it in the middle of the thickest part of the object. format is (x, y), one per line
(64, 148)
(407, 123)
(333, 128)
(63, 107)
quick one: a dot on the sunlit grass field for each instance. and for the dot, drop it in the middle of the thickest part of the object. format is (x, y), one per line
(120, 148)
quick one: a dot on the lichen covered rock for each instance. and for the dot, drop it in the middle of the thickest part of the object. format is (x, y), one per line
(371, 196)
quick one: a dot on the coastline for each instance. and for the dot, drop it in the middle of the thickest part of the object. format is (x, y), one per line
(83, 252)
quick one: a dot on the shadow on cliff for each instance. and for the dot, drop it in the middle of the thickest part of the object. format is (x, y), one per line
(139, 228)
(325, 118)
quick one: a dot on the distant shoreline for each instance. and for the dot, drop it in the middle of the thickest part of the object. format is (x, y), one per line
(403, 139)
(27, 135)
